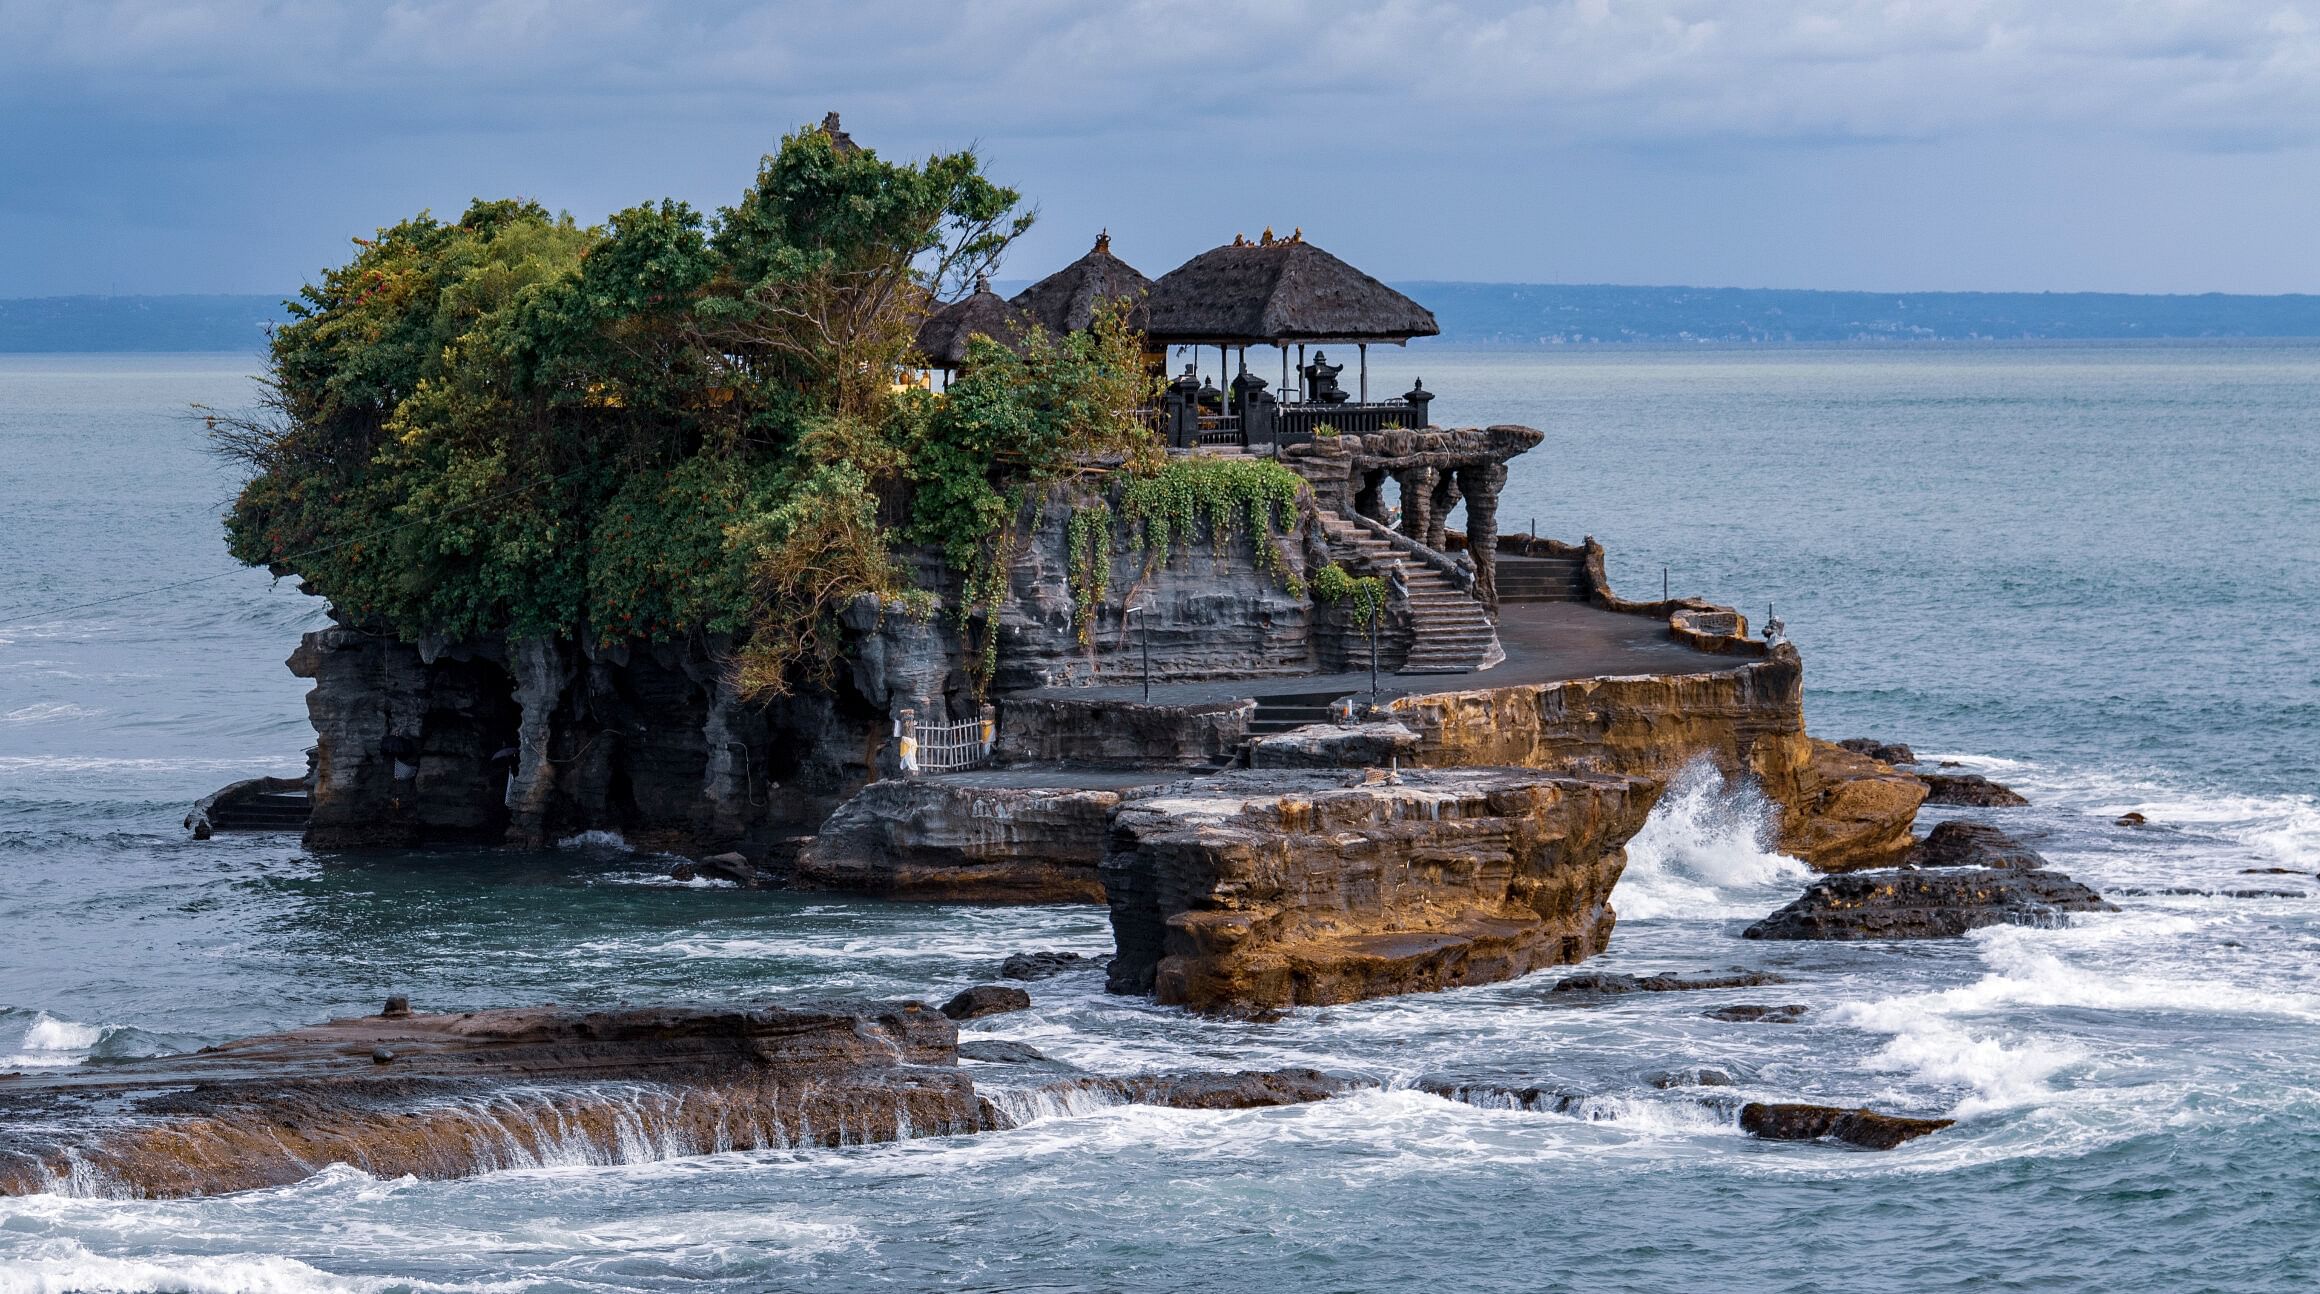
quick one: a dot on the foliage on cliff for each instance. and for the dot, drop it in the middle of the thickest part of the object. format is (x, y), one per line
(668, 424)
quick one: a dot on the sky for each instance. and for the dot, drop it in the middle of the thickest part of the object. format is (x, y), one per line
(1890, 145)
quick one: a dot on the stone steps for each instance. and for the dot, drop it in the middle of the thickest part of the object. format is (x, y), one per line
(1541, 579)
(1455, 634)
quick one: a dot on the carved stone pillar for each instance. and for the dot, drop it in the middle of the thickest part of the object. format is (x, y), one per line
(1418, 502)
(1481, 485)
(1446, 497)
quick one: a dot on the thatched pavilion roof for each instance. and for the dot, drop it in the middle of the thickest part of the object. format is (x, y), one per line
(942, 339)
(1278, 290)
(1065, 301)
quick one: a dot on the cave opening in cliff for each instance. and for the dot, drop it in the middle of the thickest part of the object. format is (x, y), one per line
(467, 749)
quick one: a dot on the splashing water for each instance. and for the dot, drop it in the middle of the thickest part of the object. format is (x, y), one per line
(1704, 853)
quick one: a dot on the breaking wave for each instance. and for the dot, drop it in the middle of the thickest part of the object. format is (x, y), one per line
(1705, 853)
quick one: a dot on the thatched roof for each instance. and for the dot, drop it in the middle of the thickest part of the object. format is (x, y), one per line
(1275, 290)
(841, 143)
(1065, 301)
(942, 339)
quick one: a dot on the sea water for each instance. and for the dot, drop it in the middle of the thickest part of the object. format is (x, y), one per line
(2086, 571)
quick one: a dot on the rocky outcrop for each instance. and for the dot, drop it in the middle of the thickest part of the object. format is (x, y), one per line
(1758, 1013)
(1884, 752)
(1843, 811)
(943, 838)
(1915, 904)
(1970, 790)
(1037, 966)
(1609, 983)
(1326, 745)
(1254, 890)
(1838, 810)
(449, 1095)
(1864, 1128)
(986, 999)
(1972, 844)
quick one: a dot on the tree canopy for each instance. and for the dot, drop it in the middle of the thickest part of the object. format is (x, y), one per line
(668, 424)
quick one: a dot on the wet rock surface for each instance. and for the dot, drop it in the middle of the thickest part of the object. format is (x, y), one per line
(1675, 1078)
(1928, 904)
(1607, 982)
(1258, 889)
(1757, 1013)
(459, 1094)
(1971, 790)
(451, 1095)
(1864, 1128)
(1322, 745)
(986, 999)
(1044, 965)
(1884, 752)
(1972, 844)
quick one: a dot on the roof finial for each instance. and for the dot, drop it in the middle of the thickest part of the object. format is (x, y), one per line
(1266, 240)
(1104, 242)
(982, 281)
(840, 142)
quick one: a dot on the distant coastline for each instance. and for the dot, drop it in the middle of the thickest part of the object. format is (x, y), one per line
(1510, 315)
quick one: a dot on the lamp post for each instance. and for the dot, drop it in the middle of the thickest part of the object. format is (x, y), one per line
(1144, 637)
(1373, 628)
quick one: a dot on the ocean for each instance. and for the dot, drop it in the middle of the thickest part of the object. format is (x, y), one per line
(2084, 570)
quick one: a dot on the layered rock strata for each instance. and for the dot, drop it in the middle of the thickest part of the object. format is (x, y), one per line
(1838, 809)
(940, 838)
(439, 1096)
(1254, 890)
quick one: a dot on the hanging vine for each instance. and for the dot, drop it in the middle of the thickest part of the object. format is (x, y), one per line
(1366, 593)
(1215, 498)
(1090, 571)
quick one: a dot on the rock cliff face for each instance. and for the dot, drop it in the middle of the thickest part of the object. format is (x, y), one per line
(1839, 810)
(530, 741)
(938, 838)
(1255, 890)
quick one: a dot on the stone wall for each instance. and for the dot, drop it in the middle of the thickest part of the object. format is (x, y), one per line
(1107, 734)
(1213, 611)
(1255, 890)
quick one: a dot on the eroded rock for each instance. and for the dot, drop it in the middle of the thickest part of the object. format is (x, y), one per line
(1928, 904)
(1972, 844)
(1971, 790)
(1884, 752)
(1864, 1128)
(986, 999)
(1606, 982)
(1758, 1013)
(1258, 889)
(965, 840)
(1045, 965)
(1324, 745)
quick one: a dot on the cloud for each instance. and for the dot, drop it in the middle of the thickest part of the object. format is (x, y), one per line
(1647, 71)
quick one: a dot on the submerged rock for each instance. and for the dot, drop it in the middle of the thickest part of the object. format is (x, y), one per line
(1972, 844)
(1971, 790)
(1002, 1051)
(1607, 982)
(1691, 1078)
(1865, 1128)
(1757, 1013)
(1047, 965)
(986, 999)
(1253, 890)
(2130, 820)
(1881, 751)
(1931, 904)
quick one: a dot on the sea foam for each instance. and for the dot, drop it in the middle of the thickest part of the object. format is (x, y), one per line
(1705, 853)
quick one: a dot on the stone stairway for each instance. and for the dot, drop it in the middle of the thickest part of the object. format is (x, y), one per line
(1454, 634)
(1540, 579)
(1288, 712)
